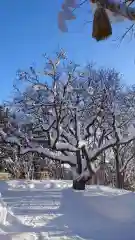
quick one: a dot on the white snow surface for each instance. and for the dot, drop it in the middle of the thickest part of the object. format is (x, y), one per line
(51, 209)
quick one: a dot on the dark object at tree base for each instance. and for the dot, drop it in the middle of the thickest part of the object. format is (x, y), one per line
(79, 185)
(102, 28)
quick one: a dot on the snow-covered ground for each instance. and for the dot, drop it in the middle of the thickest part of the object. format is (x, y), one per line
(52, 210)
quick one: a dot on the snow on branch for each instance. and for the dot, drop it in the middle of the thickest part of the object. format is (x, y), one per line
(71, 160)
(13, 140)
(65, 146)
(9, 139)
(96, 152)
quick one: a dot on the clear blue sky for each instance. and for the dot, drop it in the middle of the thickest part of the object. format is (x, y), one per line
(28, 28)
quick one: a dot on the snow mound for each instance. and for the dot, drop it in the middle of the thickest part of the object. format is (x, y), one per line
(3, 211)
(33, 210)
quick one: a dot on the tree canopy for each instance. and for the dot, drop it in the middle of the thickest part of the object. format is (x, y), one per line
(68, 114)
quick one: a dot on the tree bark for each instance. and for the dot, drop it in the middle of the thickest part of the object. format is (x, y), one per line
(79, 185)
(118, 175)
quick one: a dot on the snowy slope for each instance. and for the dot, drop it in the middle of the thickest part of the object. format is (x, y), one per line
(52, 210)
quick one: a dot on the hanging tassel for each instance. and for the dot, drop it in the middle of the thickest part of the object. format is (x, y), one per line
(101, 24)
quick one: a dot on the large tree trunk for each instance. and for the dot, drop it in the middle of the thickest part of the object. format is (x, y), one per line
(118, 174)
(79, 185)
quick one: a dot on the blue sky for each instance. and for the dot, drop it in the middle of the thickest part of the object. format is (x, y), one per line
(29, 28)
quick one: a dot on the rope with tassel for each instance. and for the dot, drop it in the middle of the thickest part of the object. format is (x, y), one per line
(102, 28)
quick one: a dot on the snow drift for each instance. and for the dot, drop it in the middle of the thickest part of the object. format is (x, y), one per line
(31, 210)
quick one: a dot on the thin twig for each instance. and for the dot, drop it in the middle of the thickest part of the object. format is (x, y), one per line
(129, 29)
(83, 2)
